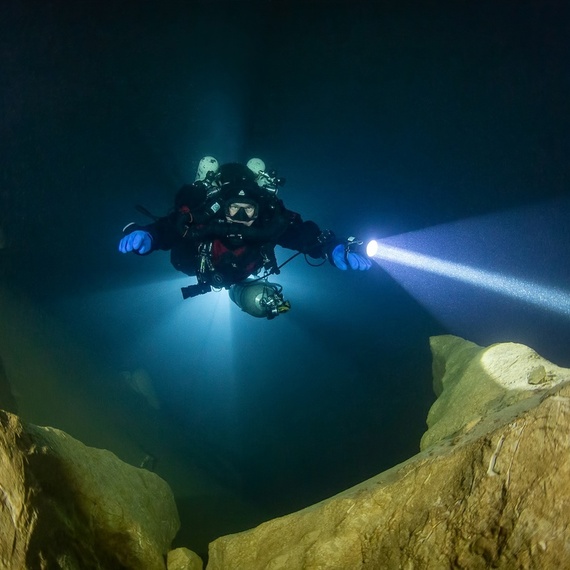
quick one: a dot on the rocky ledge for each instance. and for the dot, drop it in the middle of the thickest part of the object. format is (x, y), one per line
(490, 488)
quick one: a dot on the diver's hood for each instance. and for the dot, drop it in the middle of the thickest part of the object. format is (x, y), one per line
(235, 173)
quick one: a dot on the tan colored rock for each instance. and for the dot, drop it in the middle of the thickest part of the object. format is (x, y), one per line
(473, 382)
(65, 505)
(184, 559)
(497, 495)
(52, 378)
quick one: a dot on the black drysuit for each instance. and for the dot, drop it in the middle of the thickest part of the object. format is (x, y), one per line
(220, 253)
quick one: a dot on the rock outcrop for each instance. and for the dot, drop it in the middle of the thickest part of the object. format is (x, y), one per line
(50, 376)
(473, 383)
(491, 488)
(184, 559)
(65, 505)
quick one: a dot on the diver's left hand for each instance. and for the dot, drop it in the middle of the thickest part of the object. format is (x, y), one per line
(138, 241)
(350, 260)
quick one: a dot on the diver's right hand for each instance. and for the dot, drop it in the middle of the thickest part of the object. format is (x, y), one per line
(138, 241)
(344, 259)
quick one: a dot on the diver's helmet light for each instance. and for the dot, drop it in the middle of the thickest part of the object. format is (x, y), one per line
(372, 248)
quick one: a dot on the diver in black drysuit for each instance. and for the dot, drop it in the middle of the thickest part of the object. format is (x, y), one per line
(224, 228)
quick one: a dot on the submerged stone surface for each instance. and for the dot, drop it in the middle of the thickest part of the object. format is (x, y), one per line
(184, 559)
(472, 382)
(65, 505)
(491, 488)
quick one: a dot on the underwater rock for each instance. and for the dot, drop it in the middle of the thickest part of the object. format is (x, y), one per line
(489, 490)
(183, 559)
(66, 505)
(472, 382)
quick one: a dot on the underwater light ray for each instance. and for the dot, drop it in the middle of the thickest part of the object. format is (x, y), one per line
(551, 298)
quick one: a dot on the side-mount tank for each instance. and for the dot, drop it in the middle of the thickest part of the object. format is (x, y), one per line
(259, 298)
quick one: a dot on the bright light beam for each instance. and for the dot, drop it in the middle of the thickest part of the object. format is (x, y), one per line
(553, 299)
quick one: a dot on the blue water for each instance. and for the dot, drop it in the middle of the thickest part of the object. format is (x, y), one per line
(384, 121)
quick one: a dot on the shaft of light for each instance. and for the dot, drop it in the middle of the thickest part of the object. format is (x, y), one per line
(550, 298)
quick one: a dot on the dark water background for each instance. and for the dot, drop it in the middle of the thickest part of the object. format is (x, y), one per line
(385, 118)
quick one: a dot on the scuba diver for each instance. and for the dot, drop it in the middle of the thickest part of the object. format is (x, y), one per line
(224, 228)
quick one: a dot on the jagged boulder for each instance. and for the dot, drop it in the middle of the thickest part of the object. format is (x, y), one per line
(65, 505)
(473, 382)
(491, 488)
(184, 559)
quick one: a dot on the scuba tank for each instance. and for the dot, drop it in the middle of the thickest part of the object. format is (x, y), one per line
(207, 165)
(259, 298)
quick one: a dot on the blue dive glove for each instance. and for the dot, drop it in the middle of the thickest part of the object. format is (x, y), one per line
(350, 260)
(139, 241)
